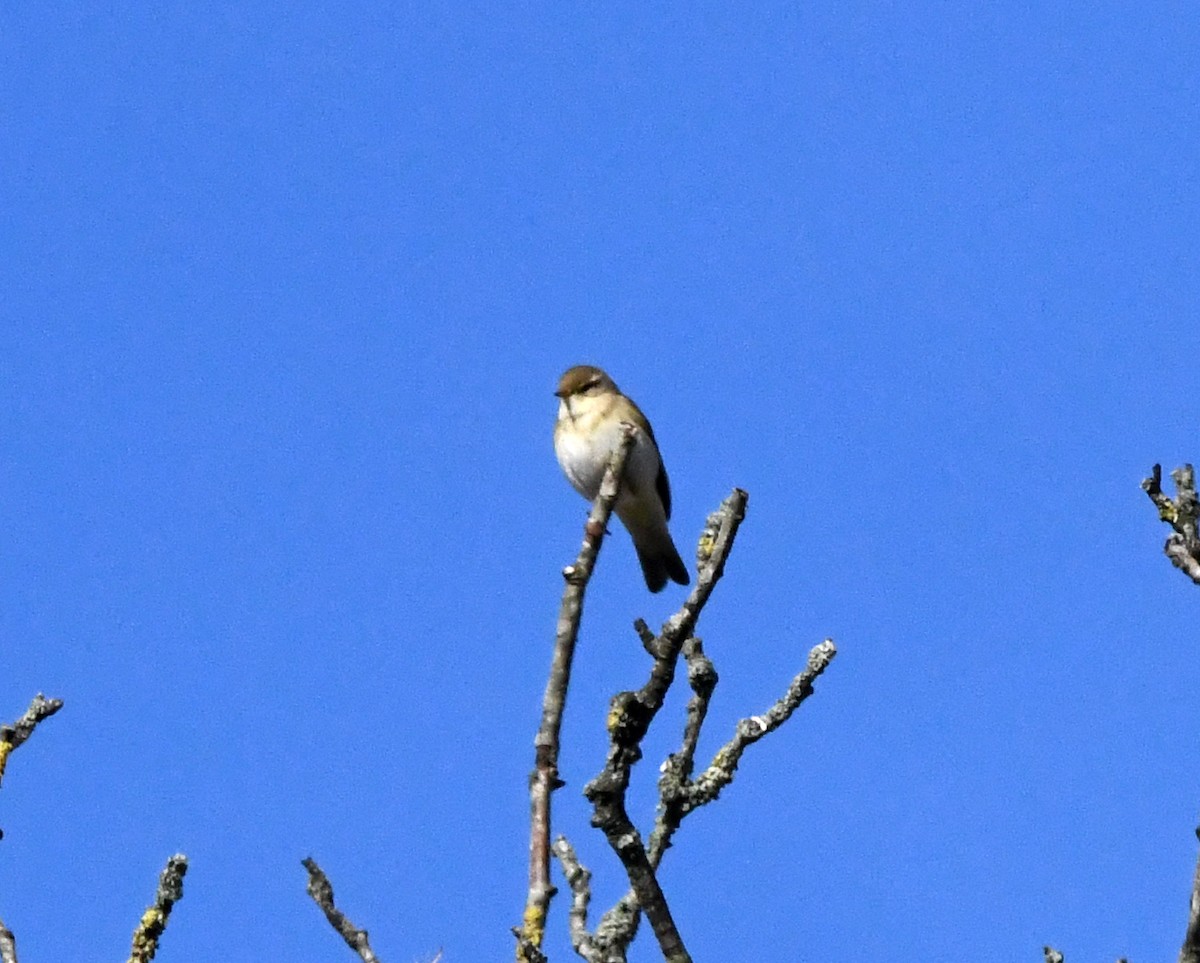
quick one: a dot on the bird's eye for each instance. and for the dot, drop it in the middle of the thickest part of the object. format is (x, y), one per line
(594, 383)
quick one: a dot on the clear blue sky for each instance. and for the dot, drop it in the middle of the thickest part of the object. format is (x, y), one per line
(285, 290)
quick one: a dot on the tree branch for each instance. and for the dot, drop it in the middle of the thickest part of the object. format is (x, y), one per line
(8, 945)
(321, 891)
(1183, 545)
(580, 881)
(619, 925)
(544, 779)
(679, 795)
(630, 717)
(1183, 549)
(13, 735)
(719, 774)
(1190, 952)
(154, 920)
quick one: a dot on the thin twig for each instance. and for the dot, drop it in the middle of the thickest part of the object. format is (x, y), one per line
(13, 735)
(544, 779)
(580, 881)
(1181, 513)
(154, 920)
(716, 542)
(321, 891)
(1190, 952)
(619, 925)
(1183, 549)
(703, 679)
(675, 775)
(719, 774)
(630, 717)
(679, 795)
(8, 945)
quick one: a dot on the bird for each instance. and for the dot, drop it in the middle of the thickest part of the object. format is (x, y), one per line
(590, 411)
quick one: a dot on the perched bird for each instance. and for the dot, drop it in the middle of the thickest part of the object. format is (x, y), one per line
(590, 411)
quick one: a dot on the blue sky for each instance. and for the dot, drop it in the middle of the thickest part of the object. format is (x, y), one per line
(286, 291)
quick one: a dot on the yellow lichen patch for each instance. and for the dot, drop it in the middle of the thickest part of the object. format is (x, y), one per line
(145, 938)
(534, 928)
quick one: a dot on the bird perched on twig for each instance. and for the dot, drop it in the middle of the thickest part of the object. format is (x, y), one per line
(590, 411)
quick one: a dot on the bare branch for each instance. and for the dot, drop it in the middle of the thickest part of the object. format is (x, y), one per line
(580, 881)
(719, 774)
(321, 891)
(678, 794)
(716, 542)
(544, 779)
(1052, 955)
(619, 925)
(1183, 545)
(702, 678)
(1183, 549)
(13, 735)
(154, 920)
(630, 717)
(1190, 952)
(8, 945)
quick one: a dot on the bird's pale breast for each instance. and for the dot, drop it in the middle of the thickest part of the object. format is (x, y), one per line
(585, 443)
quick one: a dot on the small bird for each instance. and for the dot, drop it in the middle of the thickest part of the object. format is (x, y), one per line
(590, 411)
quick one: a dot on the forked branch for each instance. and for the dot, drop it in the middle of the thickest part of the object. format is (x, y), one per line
(544, 779)
(1181, 513)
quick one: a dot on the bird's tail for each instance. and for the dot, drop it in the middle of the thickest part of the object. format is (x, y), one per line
(660, 560)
